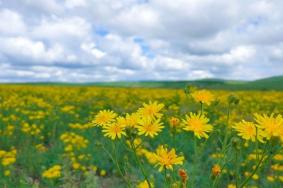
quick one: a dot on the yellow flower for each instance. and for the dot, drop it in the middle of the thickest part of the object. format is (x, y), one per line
(7, 173)
(73, 141)
(255, 176)
(216, 170)
(198, 124)
(231, 186)
(166, 159)
(174, 122)
(53, 172)
(144, 184)
(102, 173)
(278, 157)
(115, 129)
(270, 178)
(8, 161)
(151, 110)
(104, 117)
(132, 120)
(76, 165)
(203, 96)
(149, 127)
(247, 130)
(150, 156)
(41, 147)
(271, 125)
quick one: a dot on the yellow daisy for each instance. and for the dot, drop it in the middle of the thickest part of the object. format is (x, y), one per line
(104, 117)
(132, 120)
(149, 127)
(203, 96)
(247, 130)
(198, 124)
(151, 110)
(166, 159)
(271, 125)
(115, 130)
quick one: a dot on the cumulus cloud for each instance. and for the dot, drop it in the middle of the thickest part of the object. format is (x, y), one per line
(108, 40)
(11, 23)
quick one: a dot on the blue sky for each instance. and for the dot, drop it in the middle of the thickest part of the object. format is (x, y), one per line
(110, 40)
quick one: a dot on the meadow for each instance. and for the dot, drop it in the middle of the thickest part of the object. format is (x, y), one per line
(85, 136)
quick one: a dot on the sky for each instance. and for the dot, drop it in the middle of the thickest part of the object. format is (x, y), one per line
(132, 40)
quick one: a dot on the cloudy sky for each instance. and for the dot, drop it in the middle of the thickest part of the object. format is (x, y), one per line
(110, 40)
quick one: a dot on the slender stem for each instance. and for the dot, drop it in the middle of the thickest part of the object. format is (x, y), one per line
(140, 164)
(260, 162)
(237, 168)
(226, 127)
(225, 144)
(256, 145)
(201, 108)
(195, 160)
(165, 177)
(253, 173)
(114, 160)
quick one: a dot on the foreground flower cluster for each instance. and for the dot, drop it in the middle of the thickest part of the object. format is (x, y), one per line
(104, 137)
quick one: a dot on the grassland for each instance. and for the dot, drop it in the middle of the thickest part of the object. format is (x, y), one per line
(58, 136)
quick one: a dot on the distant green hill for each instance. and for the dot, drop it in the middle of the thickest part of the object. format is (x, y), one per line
(272, 83)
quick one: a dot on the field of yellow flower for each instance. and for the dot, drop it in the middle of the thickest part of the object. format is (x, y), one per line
(79, 136)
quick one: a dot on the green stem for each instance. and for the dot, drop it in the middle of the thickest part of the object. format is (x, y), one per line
(253, 173)
(237, 168)
(225, 145)
(195, 160)
(165, 177)
(201, 108)
(260, 162)
(140, 164)
(226, 127)
(256, 145)
(115, 161)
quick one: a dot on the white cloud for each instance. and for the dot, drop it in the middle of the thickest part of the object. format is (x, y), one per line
(11, 23)
(79, 40)
(90, 48)
(21, 48)
(75, 3)
(60, 28)
(240, 54)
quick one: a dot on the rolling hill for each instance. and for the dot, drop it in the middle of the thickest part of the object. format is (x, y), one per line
(271, 83)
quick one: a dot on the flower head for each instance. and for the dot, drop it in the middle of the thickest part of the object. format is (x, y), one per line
(151, 110)
(53, 172)
(247, 130)
(203, 96)
(198, 124)
(132, 120)
(174, 122)
(166, 159)
(144, 184)
(183, 174)
(149, 127)
(116, 129)
(104, 117)
(271, 125)
(216, 170)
